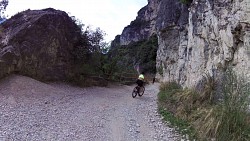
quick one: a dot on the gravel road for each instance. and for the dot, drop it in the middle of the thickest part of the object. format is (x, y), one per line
(31, 110)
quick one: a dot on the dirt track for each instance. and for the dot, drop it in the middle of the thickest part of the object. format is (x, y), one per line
(32, 110)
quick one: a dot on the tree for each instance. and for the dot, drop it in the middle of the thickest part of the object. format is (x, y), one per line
(92, 50)
(96, 39)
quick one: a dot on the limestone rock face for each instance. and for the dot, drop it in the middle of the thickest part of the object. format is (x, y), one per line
(138, 29)
(143, 26)
(155, 16)
(204, 37)
(217, 36)
(39, 44)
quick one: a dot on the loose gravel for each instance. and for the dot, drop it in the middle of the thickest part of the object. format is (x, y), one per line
(34, 111)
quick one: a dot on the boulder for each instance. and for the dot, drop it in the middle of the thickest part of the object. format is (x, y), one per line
(39, 44)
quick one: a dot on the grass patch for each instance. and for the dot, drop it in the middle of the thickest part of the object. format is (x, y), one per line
(203, 117)
(168, 107)
(182, 126)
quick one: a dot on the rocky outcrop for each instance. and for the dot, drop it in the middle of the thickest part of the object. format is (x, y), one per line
(39, 44)
(155, 16)
(195, 39)
(138, 29)
(217, 36)
(142, 27)
(116, 42)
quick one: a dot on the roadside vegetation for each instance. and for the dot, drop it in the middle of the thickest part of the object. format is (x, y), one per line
(141, 54)
(97, 63)
(220, 111)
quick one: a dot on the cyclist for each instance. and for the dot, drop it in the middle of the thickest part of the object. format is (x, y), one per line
(140, 81)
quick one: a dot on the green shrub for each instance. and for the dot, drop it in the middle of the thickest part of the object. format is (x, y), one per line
(233, 119)
(227, 120)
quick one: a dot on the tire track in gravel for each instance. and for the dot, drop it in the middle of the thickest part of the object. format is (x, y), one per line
(32, 110)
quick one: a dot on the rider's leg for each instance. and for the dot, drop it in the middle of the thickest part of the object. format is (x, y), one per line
(139, 85)
(138, 88)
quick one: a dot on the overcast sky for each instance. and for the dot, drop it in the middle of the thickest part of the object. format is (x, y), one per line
(110, 15)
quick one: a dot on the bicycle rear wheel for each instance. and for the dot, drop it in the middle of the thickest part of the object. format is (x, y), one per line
(141, 92)
(134, 93)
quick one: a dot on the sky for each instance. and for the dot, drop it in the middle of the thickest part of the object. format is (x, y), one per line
(110, 15)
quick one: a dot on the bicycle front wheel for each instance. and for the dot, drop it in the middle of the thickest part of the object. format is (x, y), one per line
(141, 92)
(134, 93)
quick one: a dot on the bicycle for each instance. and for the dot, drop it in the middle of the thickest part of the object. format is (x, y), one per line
(136, 89)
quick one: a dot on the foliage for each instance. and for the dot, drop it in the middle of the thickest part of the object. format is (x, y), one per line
(92, 39)
(169, 86)
(96, 40)
(168, 106)
(141, 53)
(101, 60)
(227, 119)
(79, 23)
(90, 53)
(233, 119)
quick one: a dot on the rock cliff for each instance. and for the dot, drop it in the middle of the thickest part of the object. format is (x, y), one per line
(202, 37)
(216, 37)
(39, 44)
(152, 18)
